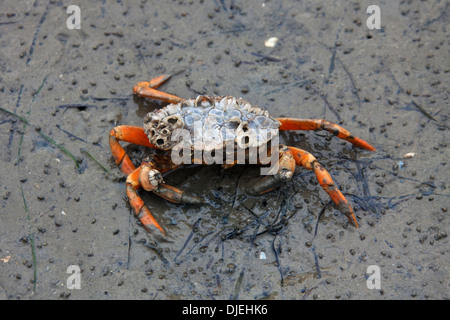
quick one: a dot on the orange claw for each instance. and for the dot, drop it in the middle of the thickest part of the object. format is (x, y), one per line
(308, 161)
(317, 124)
(140, 209)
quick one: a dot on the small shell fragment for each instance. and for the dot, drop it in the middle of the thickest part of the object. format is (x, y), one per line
(409, 155)
(271, 42)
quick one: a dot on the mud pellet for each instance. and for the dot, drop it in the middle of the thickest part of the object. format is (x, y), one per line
(440, 235)
(231, 268)
(245, 89)
(423, 239)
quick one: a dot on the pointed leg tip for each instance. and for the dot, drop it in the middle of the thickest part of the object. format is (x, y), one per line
(355, 223)
(154, 229)
(149, 222)
(362, 144)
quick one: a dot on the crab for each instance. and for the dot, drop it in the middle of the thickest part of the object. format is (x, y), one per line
(229, 121)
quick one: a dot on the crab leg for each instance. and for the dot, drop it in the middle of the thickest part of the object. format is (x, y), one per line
(129, 134)
(147, 89)
(140, 209)
(308, 161)
(151, 179)
(155, 82)
(148, 176)
(286, 168)
(317, 125)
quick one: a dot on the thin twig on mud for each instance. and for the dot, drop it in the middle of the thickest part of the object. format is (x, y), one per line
(33, 42)
(98, 162)
(277, 260)
(188, 238)
(38, 130)
(79, 106)
(424, 112)
(237, 285)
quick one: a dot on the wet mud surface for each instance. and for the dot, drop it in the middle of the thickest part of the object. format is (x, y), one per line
(63, 199)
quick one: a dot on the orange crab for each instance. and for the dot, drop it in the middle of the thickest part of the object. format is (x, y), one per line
(228, 119)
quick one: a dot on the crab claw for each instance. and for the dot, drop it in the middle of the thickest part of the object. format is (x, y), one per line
(150, 179)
